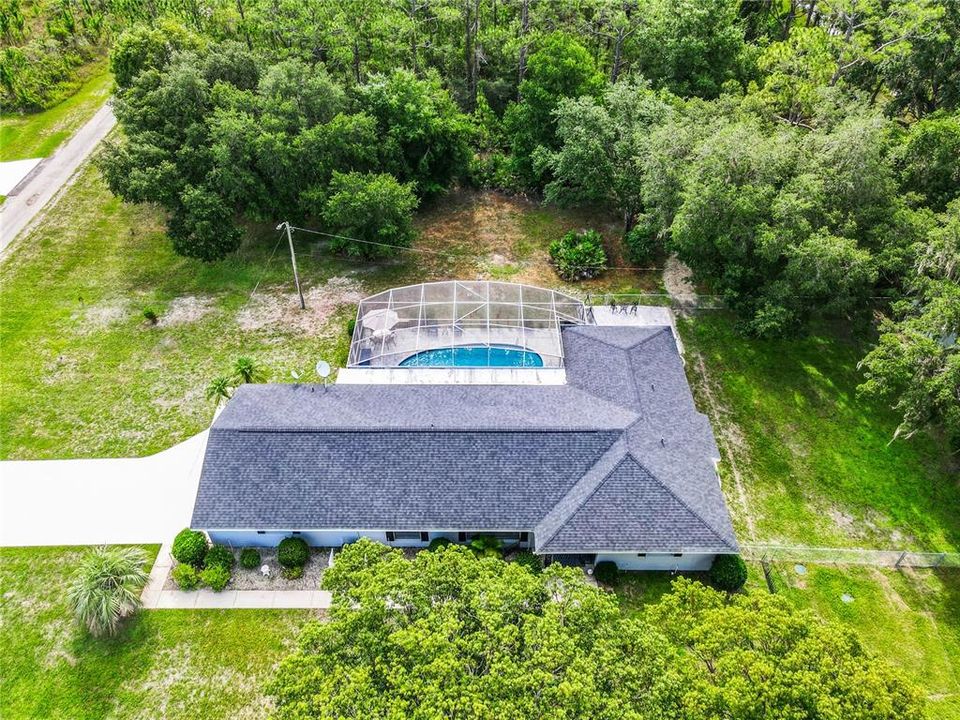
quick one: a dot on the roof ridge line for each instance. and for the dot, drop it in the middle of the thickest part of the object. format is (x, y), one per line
(637, 344)
(619, 445)
(679, 499)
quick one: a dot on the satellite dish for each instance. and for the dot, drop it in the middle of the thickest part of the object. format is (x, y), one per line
(323, 369)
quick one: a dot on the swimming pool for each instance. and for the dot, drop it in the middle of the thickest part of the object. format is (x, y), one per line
(475, 356)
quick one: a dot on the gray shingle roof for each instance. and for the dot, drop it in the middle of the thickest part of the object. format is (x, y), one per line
(619, 449)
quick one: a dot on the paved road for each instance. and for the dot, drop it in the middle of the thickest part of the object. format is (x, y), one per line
(55, 173)
(92, 502)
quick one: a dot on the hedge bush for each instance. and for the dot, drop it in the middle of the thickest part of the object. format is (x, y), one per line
(249, 558)
(438, 543)
(219, 555)
(215, 577)
(534, 563)
(190, 547)
(578, 256)
(728, 572)
(643, 242)
(486, 545)
(607, 572)
(186, 577)
(293, 552)
(293, 573)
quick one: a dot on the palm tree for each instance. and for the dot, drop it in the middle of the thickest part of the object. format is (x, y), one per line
(219, 389)
(248, 370)
(106, 588)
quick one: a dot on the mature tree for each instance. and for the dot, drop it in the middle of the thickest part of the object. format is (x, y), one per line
(929, 159)
(754, 656)
(202, 225)
(454, 634)
(146, 47)
(916, 362)
(602, 145)
(423, 136)
(371, 212)
(560, 68)
(106, 588)
(690, 46)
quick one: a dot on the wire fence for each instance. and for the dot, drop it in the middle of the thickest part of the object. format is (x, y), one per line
(685, 303)
(849, 556)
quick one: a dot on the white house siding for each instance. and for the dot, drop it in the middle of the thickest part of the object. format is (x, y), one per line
(319, 538)
(690, 562)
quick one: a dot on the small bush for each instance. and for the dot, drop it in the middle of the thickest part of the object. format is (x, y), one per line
(293, 552)
(150, 315)
(190, 547)
(607, 572)
(486, 545)
(249, 558)
(219, 555)
(728, 572)
(215, 577)
(578, 256)
(438, 543)
(186, 577)
(351, 326)
(294, 573)
(534, 563)
(643, 242)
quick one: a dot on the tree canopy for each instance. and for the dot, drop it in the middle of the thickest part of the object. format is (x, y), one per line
(456, 634)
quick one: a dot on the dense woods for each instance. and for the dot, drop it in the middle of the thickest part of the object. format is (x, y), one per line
(801, 159)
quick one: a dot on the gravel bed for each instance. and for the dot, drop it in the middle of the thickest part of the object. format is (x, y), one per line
(243, 579)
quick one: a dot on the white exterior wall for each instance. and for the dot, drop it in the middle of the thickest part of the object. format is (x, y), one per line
(318, 538)
(689, 562)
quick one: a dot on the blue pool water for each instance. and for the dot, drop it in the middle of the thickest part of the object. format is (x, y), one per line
(474, 356)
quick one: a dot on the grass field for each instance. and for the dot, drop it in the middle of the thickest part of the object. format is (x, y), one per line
(84, 374)
(805, 460)
(165, 663)
(34, 135)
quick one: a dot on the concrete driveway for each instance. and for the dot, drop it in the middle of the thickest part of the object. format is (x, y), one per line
(54, 173)
(92, 502)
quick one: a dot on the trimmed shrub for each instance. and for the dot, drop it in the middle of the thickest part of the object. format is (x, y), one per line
(219, 555)
(186, 577)
(249, 558)
(534, 563)
(215, 577)
(643, 242)
(293, 552)
(578, 256)
(150, 315)
(438, 543)
(293, 573)
(728, 572)
(486, 545)
(190, 547)
(607, 572)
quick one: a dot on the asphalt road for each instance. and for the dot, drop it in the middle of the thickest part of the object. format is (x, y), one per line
(54, 173)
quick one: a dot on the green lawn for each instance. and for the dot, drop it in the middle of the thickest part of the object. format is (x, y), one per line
(39, 134)
(166, 663)
(84, 374)
(805, 460)
(910, 618)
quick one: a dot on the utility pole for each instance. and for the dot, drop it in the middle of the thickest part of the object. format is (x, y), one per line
(293, 261)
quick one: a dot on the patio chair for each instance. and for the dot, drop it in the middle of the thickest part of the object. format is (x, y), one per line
(635, 306)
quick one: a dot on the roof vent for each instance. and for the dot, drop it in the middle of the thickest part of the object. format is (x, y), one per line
(662, 442)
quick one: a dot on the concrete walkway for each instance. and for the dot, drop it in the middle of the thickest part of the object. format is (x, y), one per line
(93, 502)
(53, 174)
(238, 600)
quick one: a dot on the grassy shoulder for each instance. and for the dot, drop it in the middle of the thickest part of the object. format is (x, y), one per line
(86, 375)
(31, 135)
(806, 461)
(165, 663)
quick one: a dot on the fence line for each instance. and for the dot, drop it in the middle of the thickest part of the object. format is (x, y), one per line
(849, 556)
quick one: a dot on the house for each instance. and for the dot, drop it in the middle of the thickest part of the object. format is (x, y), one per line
(611, 462)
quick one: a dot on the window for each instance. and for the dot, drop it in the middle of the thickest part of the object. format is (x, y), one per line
(678, 554)
(461, 537)
(424, 537)
(261, 532)
(524, 537)
(641, 554)
(404, 535)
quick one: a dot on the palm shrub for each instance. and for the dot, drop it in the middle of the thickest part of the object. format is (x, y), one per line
(728, 572)
(219, 389)
(292, 552)
(486, 545)
(248, 370)
(106, 588)
(190, 547)
(578, 256)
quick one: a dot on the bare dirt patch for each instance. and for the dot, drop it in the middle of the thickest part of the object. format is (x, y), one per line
(101, 316)
(273, 309)
(186, 309)
(676, 281)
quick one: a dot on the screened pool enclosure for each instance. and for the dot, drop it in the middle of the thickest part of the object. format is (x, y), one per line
(463, 323)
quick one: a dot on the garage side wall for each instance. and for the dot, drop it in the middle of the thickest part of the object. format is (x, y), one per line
(688, 562)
